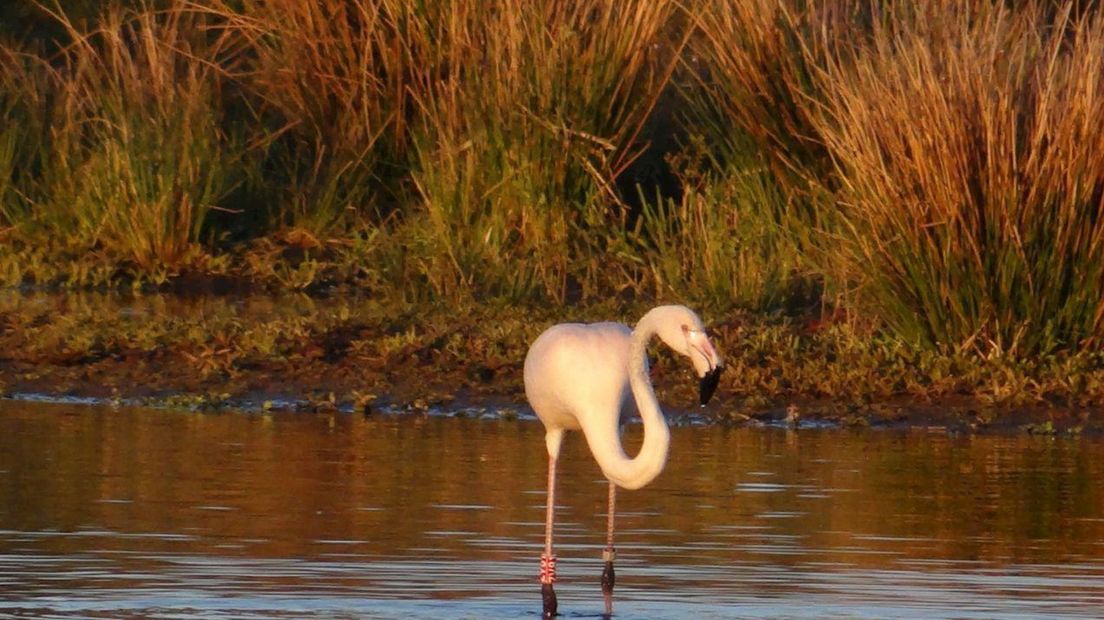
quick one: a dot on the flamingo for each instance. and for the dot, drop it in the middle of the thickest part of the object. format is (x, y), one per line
(587, 377)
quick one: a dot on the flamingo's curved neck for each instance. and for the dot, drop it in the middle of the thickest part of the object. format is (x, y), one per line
(605, 443)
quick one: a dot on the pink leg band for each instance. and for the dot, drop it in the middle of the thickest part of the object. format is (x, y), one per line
(547, 568)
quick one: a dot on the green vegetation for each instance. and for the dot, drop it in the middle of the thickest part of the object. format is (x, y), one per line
(927, 178)
(211, 352)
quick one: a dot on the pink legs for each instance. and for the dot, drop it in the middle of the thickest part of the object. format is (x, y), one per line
(548, 560)
(608, 554)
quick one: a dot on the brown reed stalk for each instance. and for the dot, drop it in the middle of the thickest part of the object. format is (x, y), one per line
(970, 157)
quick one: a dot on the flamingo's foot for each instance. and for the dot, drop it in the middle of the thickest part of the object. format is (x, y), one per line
(547, 578)
(607, 572)
(549, 596)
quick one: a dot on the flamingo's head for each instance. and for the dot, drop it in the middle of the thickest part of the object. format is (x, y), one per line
(684, 332)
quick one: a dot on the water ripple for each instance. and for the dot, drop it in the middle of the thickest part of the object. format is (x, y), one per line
(110, 514)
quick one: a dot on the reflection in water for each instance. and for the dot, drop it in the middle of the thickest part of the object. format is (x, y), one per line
(109, 513)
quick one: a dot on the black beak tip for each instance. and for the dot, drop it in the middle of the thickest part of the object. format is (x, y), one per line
(709, 384)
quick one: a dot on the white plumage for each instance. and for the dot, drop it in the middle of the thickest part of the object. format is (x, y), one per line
(590, 377)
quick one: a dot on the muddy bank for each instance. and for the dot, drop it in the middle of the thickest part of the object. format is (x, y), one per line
(329, 354)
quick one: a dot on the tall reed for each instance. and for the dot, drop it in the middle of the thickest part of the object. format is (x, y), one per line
(746, 81)
(754, 61)
(970, 157)
(521, 135)
(26, 81)
(721, 243)
(330, 85)
(942, 163)
(139, 154)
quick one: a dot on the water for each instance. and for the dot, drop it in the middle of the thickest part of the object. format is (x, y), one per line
(142, 513)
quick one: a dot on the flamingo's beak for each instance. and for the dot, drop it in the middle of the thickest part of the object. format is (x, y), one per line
(709, 383)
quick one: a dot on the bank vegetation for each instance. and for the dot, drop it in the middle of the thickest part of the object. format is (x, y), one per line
(928, 177)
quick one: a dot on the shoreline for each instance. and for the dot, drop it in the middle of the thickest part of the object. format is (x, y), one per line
(954, 420)
(336, 354)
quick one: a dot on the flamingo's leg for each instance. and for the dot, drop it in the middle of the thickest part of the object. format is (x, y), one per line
(548, 559)
(608, 554)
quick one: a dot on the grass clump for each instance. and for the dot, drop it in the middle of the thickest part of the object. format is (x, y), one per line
(519, 140)
(752, 63)
(329, 86)
(748, 83)
(970, 160)
(136, 154)
(723, 241)
(940, 165)
(25, 85)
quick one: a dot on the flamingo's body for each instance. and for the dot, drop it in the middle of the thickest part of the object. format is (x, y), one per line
(590, 378)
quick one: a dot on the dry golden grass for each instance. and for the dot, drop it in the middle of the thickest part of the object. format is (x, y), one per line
(937, 167)
(520, 136)
(970, 159)
(330, 84)
(133, 153)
